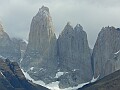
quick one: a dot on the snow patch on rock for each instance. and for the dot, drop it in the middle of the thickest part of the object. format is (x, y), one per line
(53, 85)
(2, 74)
(2, 57)
(29, 78)
(31, 68)
(94, 79)
(58, 74)
(117, 52)
(25, 41)
(75, 70)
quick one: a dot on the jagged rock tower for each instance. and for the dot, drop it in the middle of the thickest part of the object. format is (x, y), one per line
(74, 56)
(106, 52)
(41, 51)
(8, 48)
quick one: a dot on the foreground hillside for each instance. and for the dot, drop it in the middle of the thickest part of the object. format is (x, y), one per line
(110, 82)
(12, 78)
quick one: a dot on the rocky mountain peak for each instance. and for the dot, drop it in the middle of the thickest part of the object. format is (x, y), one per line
(8, 49)
(44, 9)
(68, 23)
(67, 29)
(41, 49)
(1, 28)
(74, 55)
(43, 20)
(109, 28)
(43, 13)
(3, 35)
(104, 53)
(78, 27)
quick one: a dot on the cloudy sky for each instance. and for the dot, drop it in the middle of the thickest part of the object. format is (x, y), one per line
(16, 15)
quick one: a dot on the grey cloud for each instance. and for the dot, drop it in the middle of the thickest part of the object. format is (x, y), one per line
(106, 3)
(16, 15)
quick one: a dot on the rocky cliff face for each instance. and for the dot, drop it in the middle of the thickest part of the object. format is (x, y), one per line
(12, 78)
(74, 56)
(106, 52)
(8, 48)
(66, 59)
(20, 45)
(41, 50)
(46, 57)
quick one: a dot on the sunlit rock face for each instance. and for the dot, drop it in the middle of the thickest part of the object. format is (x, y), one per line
(74, 56)
(41, 50)
(106, 52)
(8, 48)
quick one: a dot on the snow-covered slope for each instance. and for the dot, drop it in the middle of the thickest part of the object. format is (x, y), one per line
(55, 85)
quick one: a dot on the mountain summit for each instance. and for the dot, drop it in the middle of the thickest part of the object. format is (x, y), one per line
(41, 50)
(7, 47)
(106, 52)
(1, 28)
(44, 9)
(46, 56)
(74, 56)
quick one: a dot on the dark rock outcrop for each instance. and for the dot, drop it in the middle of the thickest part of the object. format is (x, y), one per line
(12, 78)
(110, 82)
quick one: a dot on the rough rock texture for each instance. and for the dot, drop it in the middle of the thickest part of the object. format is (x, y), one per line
(12, 78)
(21, 45)
(41, 50)
(106, 52)
(74, 56)
(109, 82)
(8, 48)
